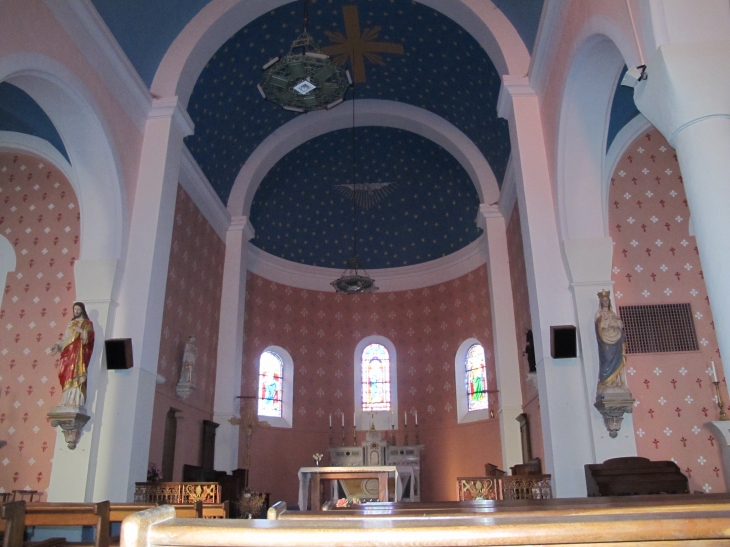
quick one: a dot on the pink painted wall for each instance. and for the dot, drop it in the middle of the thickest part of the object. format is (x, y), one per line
(656, 262)
(39, 215)
(523, 323)
(192, 307)
(321, 329)
(30, 28)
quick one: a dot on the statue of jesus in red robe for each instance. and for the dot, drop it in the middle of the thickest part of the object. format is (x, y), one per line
(75, 348)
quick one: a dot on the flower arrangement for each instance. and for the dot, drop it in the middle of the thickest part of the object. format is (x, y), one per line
(250, 504)
(317, 458)
(154, 474)
(345, 502)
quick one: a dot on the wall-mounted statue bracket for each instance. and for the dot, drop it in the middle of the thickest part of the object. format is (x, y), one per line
(71, 420)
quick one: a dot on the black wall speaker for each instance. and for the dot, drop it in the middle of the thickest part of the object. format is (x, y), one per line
(563, 342)
(118, 353)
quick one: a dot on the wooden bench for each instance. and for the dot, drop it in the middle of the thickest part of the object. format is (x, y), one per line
(118, 511)
(558, 507)
(72, 514)
(699, 522)
(12, 523)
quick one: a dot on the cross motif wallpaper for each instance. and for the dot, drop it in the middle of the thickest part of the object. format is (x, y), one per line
(192, 308)
(39, 215)
(656, 261)
(320, 331)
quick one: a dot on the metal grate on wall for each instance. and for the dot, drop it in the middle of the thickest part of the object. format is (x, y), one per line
(659, 328)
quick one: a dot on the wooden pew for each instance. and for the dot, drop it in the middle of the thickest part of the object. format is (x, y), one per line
(691, 524)
(119, 511)
(12, 523)
(72, 514)
(558, 507)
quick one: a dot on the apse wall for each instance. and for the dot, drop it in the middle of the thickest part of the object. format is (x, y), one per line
(523, 323)
(321, 329)
(39, 215)
(656, 262)
(192, 308)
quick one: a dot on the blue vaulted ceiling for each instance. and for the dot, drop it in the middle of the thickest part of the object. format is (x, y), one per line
(303, 214)
(442, 69)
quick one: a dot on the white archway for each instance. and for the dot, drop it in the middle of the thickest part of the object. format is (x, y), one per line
(218, 21)
(94, 167)
(584, 119)
(369, 112)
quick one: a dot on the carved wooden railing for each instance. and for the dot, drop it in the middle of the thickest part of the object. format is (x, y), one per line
(525, 487)
(177, 492)
(508, 487)
(478, 488)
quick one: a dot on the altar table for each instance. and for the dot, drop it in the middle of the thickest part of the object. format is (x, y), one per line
(319, 474)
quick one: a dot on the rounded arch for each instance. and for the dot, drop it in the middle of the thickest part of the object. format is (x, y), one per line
(584, 117)
(94, 167)
(218, 21)
(287, 391)
(369, 112)
(463, 415)
(382, 420)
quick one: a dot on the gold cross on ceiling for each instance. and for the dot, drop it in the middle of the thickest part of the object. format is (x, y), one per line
(358, 46)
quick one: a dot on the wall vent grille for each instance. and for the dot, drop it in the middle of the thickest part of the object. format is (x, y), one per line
(659, 328)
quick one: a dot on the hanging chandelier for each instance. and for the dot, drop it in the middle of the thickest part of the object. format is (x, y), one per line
(305, 79)
(355, 279)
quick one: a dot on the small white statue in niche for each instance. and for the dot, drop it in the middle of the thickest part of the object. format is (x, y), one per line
(186, 386)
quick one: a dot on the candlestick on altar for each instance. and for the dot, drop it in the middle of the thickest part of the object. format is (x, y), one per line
(330, 435)
(392, 434)
(343, 437)
(417, 440)
(720, 404)
(714, 372)
(405, 433)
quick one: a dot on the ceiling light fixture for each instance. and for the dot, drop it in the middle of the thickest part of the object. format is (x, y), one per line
(355, 279)
(305, 79)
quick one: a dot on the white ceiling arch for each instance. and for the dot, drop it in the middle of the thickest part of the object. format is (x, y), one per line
(94, 169)
(218, 21)
(369, 112)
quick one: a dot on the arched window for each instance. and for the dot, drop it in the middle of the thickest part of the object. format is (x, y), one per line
(376, 385)
(275, 387)
(470, 375)
(476, 378)
(375, 371)
(271, 384)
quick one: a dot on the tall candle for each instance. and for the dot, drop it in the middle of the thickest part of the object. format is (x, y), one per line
(416, 417)
(343, 419)
(330, 420)
(714, 372)
(405, 418)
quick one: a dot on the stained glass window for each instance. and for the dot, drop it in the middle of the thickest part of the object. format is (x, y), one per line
(271, 376)
(476, 378)
(375, 378)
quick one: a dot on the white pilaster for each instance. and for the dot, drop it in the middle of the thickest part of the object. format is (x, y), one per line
(563, 404)
(73, 473)
(506, 353)
(686, 97)
(589, 263)
(129, 398)
(230, 343)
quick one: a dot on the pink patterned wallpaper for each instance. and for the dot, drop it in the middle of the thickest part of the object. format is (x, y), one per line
(192, 307)
(523, 323)
(656, 262)
(39, 215)
(321, 329)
